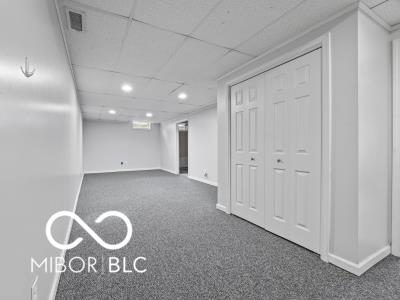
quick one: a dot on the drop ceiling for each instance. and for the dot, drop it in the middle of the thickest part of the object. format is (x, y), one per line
(164, 47)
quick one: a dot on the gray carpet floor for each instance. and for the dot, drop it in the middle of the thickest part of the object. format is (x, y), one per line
(194, 251)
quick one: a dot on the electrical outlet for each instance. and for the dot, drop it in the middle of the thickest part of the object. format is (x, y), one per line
(34, 289)
(205, 173)
(122, 163)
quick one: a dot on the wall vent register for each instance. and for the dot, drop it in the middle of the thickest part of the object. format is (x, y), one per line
(141, 125)
(75, 20)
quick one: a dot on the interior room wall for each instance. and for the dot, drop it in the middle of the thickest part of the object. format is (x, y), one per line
(168, 147)
(374, 135)
(344, 206)
(395, 35)
(202, 146)
(41, 142)
(107, 144)
(396, 148)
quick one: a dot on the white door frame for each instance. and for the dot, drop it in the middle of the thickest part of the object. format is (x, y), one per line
(323, 42)
(396, 150)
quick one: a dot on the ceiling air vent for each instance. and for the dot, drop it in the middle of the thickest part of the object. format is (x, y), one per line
(141, 125)
(75, 20)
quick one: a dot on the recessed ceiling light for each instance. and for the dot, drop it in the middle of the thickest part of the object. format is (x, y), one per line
(149, 114)
(126, 88)
(182, 96)
(112, 112)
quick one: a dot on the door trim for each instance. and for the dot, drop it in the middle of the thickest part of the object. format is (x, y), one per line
(396, 151)
(323, 42)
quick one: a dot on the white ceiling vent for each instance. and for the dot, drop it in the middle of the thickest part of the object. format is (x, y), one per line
(75, 20)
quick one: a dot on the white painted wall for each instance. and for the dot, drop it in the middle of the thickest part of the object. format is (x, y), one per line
(396, 150)
(344, 140)
(169, 147)
(202, 145)
(360, 135)
(107, 144)
(374, 136)
(395, 35)
(40, 133)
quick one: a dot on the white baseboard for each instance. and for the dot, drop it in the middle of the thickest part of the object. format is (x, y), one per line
(121, 170)
(360, 268)
(57, 275)
(221, 207)
(169, 171)
(203, 180)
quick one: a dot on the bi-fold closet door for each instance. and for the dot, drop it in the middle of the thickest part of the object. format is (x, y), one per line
(247, 150)
(276, 150)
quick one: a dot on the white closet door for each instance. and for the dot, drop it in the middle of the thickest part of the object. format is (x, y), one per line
(293, 150)
(247, 150)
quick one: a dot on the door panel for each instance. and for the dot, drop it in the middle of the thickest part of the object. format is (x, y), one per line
(253, 187)
(301, 199)
(279, 194)
(239, 131)
(239, 184)
(253, 129)
(293, 158)
(247, 153)
(279, 126)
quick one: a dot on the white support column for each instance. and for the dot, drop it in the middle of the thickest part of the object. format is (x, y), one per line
(396, 151)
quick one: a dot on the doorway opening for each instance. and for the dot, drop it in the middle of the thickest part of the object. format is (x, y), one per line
(183, 130)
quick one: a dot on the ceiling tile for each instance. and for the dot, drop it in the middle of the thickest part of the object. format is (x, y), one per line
(108, 82)
(389, 11)
(228, 62)
(196, 95)
(138, 84)
(123, 104)
(94, 99)
(234, 21)
(177, 15)
(372, 3)
(92, 110)
(107, 117)
(146, 49)
(99, 45)
(131, 115)
(120, 7)
(138, 115)
(158, 89)
(124, 118)
(84, 78)
(192, 63)
(311, 12)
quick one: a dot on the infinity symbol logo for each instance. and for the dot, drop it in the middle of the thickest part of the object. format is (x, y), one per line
(89, 230)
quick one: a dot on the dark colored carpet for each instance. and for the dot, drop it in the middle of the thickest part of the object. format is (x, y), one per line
(194, 251)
